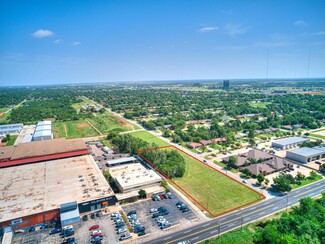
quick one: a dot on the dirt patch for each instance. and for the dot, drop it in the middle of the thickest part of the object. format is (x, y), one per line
(82, 125)
(123, 122)
(56, 134)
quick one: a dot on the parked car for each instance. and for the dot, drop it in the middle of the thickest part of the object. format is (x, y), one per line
(165, 225)
(185, 209)
(92, 215)
(142, 233)
(31, 229)
(179, 204)
(125, 236)
(55, 231)
(121, 230)
(94, 227)
(115, 214)
(96, 232)
(70, 240)
(96, 239)
(317, 162)
(244, 181)
(160, 219)
(155, 215)
(139, 229)
(99, 214)
(162, 197)
(43, 227)
(132, 212)
(85, 218)
(120, 224)
(67, 232)
(153, 210)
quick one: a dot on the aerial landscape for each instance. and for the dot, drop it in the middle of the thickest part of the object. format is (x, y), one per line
(155, 122)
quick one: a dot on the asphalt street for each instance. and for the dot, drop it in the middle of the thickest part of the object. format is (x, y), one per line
(241, 217)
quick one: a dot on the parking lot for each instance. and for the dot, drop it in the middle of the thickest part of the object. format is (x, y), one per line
(176, 218)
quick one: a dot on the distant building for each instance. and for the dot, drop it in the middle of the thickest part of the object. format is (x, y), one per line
(289, 142)
(43, 131)
(10, 129)
(306, 154)
(226, 84)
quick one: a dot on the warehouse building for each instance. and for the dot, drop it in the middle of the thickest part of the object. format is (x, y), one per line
(306, 154)
(37, 151)
(289, 142)
(43, 131)
(120, 161)
(61, 189)
(132, 178)
(11, 129)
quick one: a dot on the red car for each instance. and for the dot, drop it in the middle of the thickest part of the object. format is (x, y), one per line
(162, 197)
(94, 227)
(98, 234)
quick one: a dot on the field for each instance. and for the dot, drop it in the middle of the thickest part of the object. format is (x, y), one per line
(307, 181)
(85, 102)
(107, 122)
(146, 136)
(73, 129)
(212, 189)
(5, 118)
(259, 105)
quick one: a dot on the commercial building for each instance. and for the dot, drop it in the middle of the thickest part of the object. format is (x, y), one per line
(254, 154)
(43, 131)
(306, 154)
(132, 178)
(120, 161)
(33, 194)
(289, 142)
(226, 84)
(37, 151)
(10, 129)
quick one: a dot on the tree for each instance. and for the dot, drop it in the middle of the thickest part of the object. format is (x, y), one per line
(266, 181)
(260, 178)
(232, 162)
(4, 139)
(300, 176)
(8, 137)
(142, 194)
(283, 182)
(312, 174)
(251, 134)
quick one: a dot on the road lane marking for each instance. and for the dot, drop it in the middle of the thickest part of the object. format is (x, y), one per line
(206, 225)
(308, 191)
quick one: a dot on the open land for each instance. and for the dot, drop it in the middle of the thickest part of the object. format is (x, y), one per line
(146, 136)
(73, 129)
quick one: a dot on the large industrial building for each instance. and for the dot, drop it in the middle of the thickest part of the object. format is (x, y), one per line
(38, 151)
(37, 193)
(11, 129)
(306, 154)
(43, 131)
(133, 177)
(289, 142)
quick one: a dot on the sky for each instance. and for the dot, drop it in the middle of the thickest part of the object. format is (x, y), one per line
(60, 41)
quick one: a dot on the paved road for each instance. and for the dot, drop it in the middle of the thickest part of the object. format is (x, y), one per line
(236, 219)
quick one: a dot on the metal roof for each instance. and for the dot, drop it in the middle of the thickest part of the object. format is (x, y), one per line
(308, 151)
(121, 160)
(46, 122)
(289, 141)
(42, 133)
(11, 125)
(43, 127)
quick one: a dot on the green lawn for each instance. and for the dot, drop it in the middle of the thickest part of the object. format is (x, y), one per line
(259, 105)
(107, 122)
(212, 189)
(318, 136)
(12, 140)
(307, 181)
(146, 136)
(5, 118)
(73, 129)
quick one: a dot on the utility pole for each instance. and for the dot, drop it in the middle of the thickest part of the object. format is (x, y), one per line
(219, 223)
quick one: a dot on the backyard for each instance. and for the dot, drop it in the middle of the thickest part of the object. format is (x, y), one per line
(73, 129)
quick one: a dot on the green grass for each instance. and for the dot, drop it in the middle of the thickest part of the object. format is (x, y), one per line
(212, 189)
(2, 110)
(237, 236)
(317, 130)
(259, 105)
(146, 136)
(5, 119)
(307, 181)
(85, 102)
(73, 129)
(318, 136)
(12, 140)
(107, 122)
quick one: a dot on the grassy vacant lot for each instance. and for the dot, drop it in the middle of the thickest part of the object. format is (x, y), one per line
(5, 118)
(146, 136)
(85, 102)
(212, 189)
(259, 105)
(318, 136)
(307, 181)
(73, 129)
(107, 122)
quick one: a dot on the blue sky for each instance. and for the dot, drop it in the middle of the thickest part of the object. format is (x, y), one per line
(52, 42)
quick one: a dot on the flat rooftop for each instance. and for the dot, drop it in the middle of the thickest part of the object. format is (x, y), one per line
(43, 127)
(121, 160)
(35, 188)
(134, 175)
(291, 140)
(308, 151)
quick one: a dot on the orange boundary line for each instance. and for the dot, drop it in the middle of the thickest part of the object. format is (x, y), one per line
(189, 195)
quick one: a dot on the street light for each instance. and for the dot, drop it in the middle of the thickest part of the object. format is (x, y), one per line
(219, 223)
(287, 201)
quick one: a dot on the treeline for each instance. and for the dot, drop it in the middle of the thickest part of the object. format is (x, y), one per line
(304, 224)
(170, 162)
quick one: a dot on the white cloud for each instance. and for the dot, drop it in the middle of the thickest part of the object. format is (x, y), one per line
(209, 29)
(234, 30)
(42, 33)
(58, 41)
(300, 23)
(76, 43)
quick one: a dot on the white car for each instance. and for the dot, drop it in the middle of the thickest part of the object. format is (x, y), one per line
(96, 232)
(153, 210)
(121, 230)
